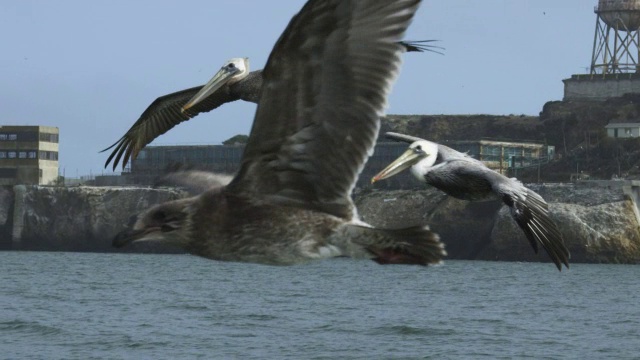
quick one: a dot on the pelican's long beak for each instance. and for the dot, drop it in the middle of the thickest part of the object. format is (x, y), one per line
(216, 82)
(406, 160)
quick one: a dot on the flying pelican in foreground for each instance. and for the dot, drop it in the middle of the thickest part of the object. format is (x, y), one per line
(466, 178)
(232, 82)
(325, 86)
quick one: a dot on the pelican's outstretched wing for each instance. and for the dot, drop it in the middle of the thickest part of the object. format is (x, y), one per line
(161, 116)
(165, 112)
(531, 213)
(325, 88)
(421, 46)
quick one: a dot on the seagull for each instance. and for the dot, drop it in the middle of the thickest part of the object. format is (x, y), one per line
(325, 87)
(463, 177)
(232, 82)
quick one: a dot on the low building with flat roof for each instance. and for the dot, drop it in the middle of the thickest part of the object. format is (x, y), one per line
(502, 156)
(28, 155)
(623, 130)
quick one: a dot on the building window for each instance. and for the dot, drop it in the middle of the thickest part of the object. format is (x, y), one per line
(3, 155)
(13, 137)
(11, 154)
(627, 132)
(32, 155)
(22, 155)
(3, 136)
(49, 137)
(28, 136)
(48, 155)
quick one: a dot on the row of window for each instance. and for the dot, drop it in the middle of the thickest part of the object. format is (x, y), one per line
(10, 137)
(29, 154)
(12, 173)
(32, 136)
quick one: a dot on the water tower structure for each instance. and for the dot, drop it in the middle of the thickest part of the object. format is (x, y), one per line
(615, 67)
(616, 42)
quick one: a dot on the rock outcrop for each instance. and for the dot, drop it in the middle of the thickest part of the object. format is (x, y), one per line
(599, 224)
(78, 218)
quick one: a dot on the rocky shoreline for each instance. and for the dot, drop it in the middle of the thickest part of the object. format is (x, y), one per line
(599, 220)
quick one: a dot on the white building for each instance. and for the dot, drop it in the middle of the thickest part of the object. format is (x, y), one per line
(623, 130)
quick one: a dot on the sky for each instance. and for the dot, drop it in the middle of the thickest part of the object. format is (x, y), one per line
(92, 67)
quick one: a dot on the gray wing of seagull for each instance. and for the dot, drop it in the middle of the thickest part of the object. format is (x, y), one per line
(316, 125)
(166, 111)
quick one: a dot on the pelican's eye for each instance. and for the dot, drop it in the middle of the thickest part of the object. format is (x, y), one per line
(231, 66)
(418, 149)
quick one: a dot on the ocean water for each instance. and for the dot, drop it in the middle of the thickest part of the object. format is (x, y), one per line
(132, 306)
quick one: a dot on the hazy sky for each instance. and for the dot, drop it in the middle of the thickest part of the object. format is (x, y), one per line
(91, 67)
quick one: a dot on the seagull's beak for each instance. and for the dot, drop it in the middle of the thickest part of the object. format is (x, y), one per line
(216, 82)
(406, 160)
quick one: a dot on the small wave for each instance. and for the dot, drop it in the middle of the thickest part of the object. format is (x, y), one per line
(261, 317)
(29, 327)
(410, 330)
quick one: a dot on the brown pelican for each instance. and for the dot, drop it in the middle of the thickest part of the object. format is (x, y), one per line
(325, 86)
(466, 178)
(232, 82)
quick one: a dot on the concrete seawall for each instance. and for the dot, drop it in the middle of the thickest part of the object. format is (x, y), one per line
(74, 218)
(600, 220)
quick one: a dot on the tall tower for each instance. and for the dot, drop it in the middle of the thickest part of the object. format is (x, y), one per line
(615, 67)
(616, 42)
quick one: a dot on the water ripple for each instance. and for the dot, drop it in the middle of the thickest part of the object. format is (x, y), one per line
(81, 306)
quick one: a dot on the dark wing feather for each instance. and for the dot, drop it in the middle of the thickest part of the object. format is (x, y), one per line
(161, 116)
(421, 46)
(461, 179)
(325, 87)
(531, 213)
(469, 179)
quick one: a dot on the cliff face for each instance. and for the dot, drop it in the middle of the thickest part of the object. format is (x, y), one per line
(439, 128)
(78, 218)
(598, 224)
(6, 213)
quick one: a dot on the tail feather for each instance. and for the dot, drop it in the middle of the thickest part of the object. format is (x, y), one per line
(414, 245)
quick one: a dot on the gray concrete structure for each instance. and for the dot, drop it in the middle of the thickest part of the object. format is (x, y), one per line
(614, 69)
(600, 86)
